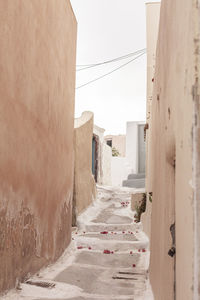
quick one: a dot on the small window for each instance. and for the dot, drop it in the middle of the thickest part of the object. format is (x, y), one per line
(109, 143)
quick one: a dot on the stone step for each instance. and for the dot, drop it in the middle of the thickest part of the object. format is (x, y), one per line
(94, 244)
(136, 176)
(134, 183)
(112, 227)
(91, 296)
(113, 260)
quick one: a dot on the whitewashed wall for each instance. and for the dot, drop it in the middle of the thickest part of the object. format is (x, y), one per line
(119, 170)
(106, 164)
(104, 158)
(132, 145)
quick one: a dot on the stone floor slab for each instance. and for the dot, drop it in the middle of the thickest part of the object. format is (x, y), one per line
(97, 281)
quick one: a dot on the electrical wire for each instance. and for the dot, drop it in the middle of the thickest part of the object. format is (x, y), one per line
(113, 60)
(96, 79)
(109, 61)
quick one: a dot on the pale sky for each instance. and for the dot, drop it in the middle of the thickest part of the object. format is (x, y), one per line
(108, 29)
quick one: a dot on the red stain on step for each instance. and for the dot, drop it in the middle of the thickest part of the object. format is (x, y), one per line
(106, 252)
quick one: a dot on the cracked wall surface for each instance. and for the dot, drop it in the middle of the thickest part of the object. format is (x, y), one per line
(37, 80)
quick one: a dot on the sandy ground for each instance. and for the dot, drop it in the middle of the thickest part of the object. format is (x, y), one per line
(108, 257)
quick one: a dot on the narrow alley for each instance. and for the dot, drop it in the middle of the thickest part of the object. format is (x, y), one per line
(107, 258)
(100, 150)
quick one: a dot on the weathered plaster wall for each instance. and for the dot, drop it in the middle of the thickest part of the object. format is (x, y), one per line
(152, 26)
(84, 184)
(37, 76)
(196, 149)
(173, 113)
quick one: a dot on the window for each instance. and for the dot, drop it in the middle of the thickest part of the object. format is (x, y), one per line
(109, 143)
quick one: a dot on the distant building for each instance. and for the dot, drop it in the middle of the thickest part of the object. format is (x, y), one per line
(129, 170)
(117, 142)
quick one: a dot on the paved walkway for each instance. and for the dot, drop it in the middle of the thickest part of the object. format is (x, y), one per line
(107, 259)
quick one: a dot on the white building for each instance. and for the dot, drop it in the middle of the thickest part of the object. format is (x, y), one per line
(132, 166)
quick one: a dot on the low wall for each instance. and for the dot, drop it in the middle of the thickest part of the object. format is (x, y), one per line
(84, 184)
(37, 86)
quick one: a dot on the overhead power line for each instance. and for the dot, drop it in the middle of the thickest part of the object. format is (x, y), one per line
(96, 79)
(84, 67)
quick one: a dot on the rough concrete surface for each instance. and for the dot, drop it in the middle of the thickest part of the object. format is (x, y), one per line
(85, 271)
(136, 199)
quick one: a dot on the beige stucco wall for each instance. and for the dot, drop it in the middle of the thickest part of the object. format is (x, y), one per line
(152, 26)
(84, 184)
(37, 84)
(173, 122)
(118, 142)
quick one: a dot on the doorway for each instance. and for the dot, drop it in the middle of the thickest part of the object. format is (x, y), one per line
(141, 149)
(95, 152)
